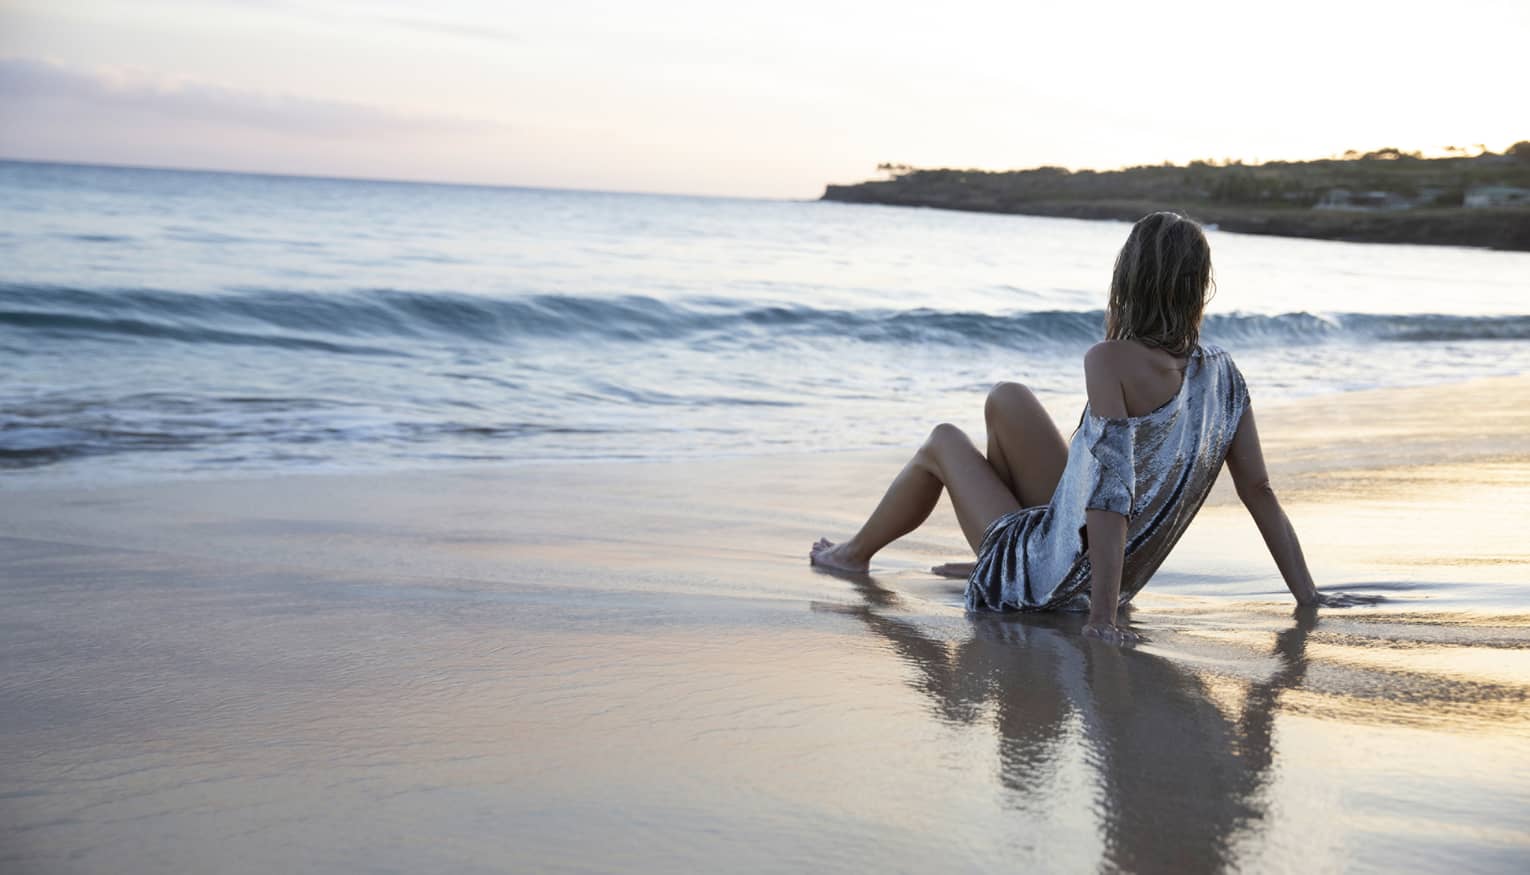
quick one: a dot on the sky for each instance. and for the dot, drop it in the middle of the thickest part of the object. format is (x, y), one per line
(758, 99)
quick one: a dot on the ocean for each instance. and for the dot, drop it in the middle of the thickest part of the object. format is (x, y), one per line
(468, 648)
(165, 324)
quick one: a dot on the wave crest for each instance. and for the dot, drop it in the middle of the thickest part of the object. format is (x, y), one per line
(372, 322)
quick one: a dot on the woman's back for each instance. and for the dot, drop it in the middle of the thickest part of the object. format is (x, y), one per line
(1147, 377)
(1154, 467)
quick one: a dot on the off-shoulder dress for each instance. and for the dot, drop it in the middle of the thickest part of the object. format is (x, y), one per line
(1155, 469)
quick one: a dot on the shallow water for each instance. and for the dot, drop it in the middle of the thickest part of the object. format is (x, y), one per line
(170, 715)
(162, 323)
(630, 667)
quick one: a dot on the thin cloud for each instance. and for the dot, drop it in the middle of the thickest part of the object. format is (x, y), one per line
(30, 79)
(442, 27)
(365, 12)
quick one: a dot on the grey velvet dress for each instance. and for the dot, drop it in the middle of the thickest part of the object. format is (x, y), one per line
(1154, 469)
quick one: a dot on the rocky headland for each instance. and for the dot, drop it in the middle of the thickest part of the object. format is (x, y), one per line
(1387, 196)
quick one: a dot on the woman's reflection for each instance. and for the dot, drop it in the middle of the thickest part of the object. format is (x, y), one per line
(1176, 777)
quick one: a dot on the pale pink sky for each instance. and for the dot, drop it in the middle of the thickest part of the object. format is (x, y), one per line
(748, 99)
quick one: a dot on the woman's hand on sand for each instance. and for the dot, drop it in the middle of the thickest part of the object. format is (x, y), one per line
(1110, 633)
(962, 570)
(1343, 600)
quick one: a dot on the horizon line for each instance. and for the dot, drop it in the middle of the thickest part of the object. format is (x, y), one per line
(325, 177)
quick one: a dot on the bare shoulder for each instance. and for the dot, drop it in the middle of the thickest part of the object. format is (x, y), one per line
(1116, 361)
(1112, 357)
(1105, 367)
(1126, 378)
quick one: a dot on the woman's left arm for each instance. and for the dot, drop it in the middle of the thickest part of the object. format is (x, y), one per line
(1107, 549)
(1106, 529)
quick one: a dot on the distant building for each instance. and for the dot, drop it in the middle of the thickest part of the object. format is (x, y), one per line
(1344, 199)
(1428, 194)
(1333, 199)
(1497, 196)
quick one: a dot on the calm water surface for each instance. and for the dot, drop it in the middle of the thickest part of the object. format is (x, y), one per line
(170, 323)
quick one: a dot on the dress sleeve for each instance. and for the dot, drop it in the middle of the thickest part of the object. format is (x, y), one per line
(1112, 473)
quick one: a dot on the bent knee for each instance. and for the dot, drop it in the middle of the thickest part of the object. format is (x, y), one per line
(1007, 397)
(945, 434)
(944, 443)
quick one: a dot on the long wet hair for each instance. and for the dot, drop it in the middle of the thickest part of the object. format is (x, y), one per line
(1161, 284)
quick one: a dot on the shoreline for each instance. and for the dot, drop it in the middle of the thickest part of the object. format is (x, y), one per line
(1064, 409)
(1328, 455)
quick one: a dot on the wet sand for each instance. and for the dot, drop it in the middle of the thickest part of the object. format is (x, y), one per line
(630, 667)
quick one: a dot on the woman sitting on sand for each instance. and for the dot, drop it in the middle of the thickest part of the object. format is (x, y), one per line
(1081, 526)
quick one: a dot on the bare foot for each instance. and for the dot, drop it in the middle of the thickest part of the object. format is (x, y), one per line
(961, 570)
(836, 556)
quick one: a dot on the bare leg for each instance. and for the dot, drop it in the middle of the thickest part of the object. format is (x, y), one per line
(1025, 449)
(905, 506)
(1024, 446)
(948, 460)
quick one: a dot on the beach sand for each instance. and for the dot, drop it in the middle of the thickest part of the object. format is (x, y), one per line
(630, 667)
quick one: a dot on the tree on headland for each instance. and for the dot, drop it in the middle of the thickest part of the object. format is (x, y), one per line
(1390, 153)
(1519, 151)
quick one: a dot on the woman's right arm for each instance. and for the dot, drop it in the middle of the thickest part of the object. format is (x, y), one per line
(1245, 459)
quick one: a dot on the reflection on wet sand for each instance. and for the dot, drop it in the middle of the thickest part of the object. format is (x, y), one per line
(1175, 777)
